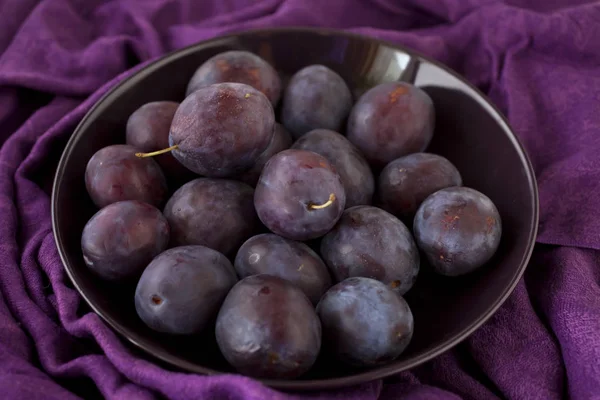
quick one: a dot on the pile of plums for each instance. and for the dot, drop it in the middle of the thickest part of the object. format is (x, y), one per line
(288, 239)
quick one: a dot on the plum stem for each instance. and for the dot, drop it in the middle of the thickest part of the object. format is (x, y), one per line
(324, 205)
(157, 153)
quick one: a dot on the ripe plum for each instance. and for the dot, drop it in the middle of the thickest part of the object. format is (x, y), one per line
(114, 173)
(391, 120)
(458, 229)
(407, 181)
(122, 238)
(294, 261)
(370, 242)
(315, 97)
(216, 213)
(299, 195)
(181, 290)
(364, 322)
(222, 129)
(267, 328)
(240, 67)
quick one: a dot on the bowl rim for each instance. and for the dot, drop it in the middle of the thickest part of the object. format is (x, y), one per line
(309, 384)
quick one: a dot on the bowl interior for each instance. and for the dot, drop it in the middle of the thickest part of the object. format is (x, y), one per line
(469, 132)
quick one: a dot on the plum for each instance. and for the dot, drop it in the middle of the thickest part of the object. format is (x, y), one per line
(114, 173)
(241, 67)
(370, 242)
(458, 229)
(364, 322)
(294, 261)
(222, 129)
(181, 290)
(391, 120)
(407, 181)
(122, 238)
(315, 97)
(299, 195)
(268, 328)
(216, 213)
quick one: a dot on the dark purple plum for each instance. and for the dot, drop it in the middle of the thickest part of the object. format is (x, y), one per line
(299, 195)
(148, 130)
(216, 213)
(458, 229)
(222, 129)
(181, 290)
(407, 181)
(364, 322)
(294, 261)
(370, 242)
(122, 238)
(240, 67)
(267, 328)
(281, 140)
(349, 163)
(315, 97)
(114, 173)
(391, 120)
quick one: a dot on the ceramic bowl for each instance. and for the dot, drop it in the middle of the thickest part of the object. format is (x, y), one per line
(470, 132)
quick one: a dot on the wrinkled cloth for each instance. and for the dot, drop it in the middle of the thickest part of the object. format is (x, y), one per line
(539, 61)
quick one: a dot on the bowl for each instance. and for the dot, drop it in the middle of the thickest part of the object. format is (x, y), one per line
(470, 132)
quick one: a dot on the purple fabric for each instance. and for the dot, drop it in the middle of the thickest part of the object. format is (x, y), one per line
(538, 60)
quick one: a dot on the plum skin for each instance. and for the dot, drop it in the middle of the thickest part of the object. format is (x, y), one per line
(291, 184)
(216, 213)
(345, 158)
(114, 173)
(122, 238)
(391, 120)
(294, 261)
(267, 328)
(371, 242)
(458, 229)
(407, 181)
(222, 129)
(181, 290)
(315, 97)
(364, 322)
(240, 67)
(281, 140)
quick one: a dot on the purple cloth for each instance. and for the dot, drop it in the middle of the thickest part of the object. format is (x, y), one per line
(538, 60)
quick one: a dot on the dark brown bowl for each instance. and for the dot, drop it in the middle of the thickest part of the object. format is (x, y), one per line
(470, 132)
